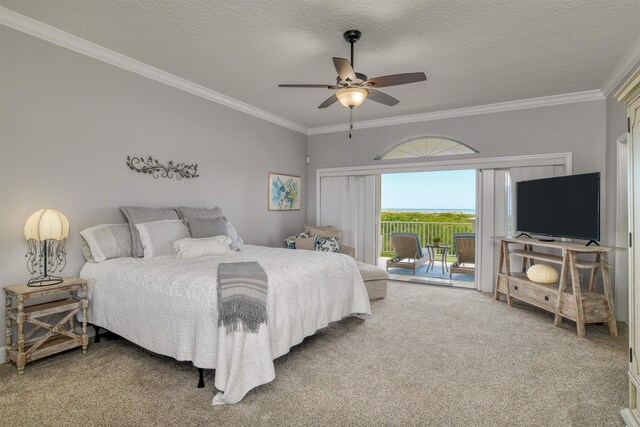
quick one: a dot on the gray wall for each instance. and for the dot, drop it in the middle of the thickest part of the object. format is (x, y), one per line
(68, 122)
(578, 128)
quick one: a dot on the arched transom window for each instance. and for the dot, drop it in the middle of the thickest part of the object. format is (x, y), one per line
(425, 146)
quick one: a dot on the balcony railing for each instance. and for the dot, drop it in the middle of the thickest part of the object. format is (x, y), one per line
(426, 230)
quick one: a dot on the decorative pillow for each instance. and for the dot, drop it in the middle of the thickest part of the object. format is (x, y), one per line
(157, 237)
(138, 215)
(199, 213)
(541, 273)
(305, 243)
(190, 213)
(327, 244)
(314, 231)
(291, 240)
(307, 227)
(194, 248)
(208, 227)
(106, 241)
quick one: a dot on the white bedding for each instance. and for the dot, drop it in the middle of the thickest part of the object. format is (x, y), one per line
(169, 306)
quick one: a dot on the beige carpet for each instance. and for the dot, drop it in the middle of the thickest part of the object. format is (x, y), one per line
(429, 356)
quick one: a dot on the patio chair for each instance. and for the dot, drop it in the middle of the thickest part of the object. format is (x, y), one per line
(408, 251)
(465, 248)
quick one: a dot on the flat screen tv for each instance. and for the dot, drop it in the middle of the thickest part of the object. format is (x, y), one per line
(565, 206)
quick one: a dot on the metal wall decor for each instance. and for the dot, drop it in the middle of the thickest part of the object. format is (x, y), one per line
(158, 170)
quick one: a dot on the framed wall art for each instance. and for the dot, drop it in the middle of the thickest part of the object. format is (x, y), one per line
(284, 192)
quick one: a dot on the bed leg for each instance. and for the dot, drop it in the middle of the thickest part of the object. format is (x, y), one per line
(201, 379)
(96, 328)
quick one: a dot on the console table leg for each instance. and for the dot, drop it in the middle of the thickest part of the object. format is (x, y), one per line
(500, 267)
(564, 276)
(594, 273)
(606, 285)
(577, 294)
(507, 266)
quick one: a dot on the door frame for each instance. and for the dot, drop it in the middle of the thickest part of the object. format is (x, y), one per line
(621, 262)
(476, 163)
(443, 165)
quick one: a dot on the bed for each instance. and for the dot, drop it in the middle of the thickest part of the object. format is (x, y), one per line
(168, 306)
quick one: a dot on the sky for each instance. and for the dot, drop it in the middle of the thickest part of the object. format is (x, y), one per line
(429, 190)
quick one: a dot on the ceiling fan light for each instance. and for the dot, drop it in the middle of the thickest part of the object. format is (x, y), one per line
(352, 97)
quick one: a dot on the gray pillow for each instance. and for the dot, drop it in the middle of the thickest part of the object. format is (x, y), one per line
(138, 215)
(107, 241)
(208, 227)
(200, 213)
(157, 237)
(191, 213)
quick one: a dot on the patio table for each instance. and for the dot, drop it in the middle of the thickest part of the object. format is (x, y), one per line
(432, 256)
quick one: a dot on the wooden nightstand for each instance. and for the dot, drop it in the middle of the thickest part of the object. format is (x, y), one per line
(61, 336)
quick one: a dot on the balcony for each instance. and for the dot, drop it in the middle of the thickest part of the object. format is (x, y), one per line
(427, 231)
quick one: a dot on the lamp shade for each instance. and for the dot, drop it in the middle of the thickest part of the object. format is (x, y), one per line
(46, 224)
(352, 97)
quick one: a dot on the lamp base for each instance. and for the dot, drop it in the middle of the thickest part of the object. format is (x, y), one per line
(44, 280)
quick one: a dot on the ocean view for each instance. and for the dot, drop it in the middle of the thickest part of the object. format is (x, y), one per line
(465, 211)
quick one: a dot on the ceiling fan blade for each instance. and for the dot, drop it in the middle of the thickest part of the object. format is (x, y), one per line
(344, 69)
(328, 102)
(397, 79)
(381, 97)
(304, 85)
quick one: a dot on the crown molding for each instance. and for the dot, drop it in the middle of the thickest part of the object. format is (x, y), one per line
(53, 35)
(46, 32)
(467, 111)
(624, 67)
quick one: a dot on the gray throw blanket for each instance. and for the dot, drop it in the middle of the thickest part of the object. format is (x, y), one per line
(242, 296)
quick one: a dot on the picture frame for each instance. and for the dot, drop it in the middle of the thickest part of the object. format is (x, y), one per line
(283, 192)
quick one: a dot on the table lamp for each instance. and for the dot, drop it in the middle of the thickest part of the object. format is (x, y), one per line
(46, 232)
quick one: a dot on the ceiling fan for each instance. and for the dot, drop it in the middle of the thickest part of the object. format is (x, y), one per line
(352, 88)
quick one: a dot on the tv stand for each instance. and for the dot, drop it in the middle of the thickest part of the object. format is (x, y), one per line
(581, 305)
(592, 241)
(524, 234)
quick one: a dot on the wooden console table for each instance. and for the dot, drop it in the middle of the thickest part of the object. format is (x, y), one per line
(574, 303)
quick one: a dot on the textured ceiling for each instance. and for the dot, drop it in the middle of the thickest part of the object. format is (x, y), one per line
(474, 52)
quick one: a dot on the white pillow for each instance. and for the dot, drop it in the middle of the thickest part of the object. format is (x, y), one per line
(108, 241)
(194, 248)
(157, 237)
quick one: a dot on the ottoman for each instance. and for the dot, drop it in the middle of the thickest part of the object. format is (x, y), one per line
(375, 280)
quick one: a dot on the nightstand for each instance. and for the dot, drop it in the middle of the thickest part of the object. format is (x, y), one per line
(69, 298)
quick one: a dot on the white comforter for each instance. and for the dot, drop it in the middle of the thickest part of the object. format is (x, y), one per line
(169, 306)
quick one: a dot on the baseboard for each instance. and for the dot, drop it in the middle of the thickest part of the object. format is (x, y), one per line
(3, 355)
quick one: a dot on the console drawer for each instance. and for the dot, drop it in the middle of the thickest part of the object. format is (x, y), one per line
(539, 295)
